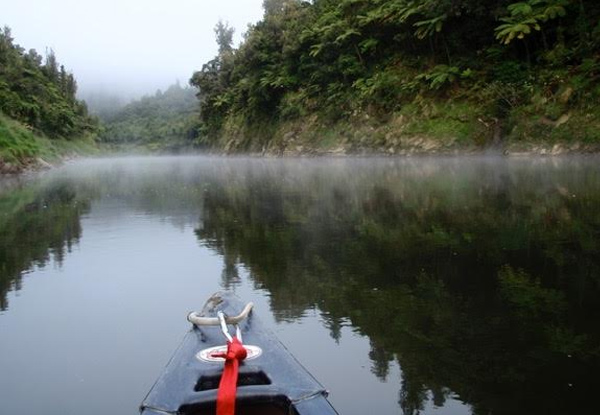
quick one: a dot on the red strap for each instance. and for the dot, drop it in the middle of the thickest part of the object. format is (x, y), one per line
(227, 387)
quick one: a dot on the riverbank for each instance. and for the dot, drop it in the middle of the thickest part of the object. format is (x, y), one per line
(437, 128)
(444, 128)
(22, 150)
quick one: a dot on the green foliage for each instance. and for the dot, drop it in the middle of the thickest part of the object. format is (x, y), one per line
(449, 121)
(20, 147)
(442, 75)
(224, 35)
(386, 88)
(167, 119)
(509, 72)
(17, 144)
(527, 16)
(330, 58)
(41, 96)
(528, 297)
(429, 27)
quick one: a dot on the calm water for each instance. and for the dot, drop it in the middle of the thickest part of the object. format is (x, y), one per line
(431, 286)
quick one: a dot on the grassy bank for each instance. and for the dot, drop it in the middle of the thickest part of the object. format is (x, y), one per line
(21, 149)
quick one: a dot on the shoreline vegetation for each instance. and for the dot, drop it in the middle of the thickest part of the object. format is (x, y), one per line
(41, 120)
(340, 77)
(402, 135)
(33, 153)
(21, 150)
(405, 77)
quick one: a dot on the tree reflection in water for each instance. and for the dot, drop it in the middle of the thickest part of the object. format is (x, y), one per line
(37, 225)
(479, 278)
(481, 281)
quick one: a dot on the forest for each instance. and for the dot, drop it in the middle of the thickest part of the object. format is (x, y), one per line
(386, 74)
(37, 100)
(347, 76)
(165, 120)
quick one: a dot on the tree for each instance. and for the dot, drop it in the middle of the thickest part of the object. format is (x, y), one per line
(41, 95)
(224, 35)
(337, 58)
(527, 16)
(273, 6)
(51, 65)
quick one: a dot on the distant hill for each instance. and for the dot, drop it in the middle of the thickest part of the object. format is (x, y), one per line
(165, 119)
(104, 104)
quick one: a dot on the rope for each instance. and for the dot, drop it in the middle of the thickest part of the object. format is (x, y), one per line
(233, 356)
(228, 384)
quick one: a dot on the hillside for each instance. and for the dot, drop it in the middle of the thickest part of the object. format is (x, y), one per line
(165, 120)
(407, 75)
(38, 108)
(348, 76)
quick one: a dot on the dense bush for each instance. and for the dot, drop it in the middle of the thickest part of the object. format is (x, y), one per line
(40, 94)
(336, 57)
(168, 118)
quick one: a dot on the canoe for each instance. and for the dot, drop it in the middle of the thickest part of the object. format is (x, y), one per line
(270, 380)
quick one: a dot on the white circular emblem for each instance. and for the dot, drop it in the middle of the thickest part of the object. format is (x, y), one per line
(206, 355)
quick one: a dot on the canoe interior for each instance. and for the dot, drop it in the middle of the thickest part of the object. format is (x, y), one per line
(274, 383)
(245, 408)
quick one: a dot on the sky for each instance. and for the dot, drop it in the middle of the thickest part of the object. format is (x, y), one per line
(127, 47)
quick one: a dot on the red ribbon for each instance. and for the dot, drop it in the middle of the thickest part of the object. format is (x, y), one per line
(228, 385)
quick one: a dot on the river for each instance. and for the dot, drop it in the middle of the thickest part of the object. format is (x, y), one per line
(416, 286)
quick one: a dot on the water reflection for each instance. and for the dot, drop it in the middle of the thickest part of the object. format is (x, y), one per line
(479, 278)
(37, 224)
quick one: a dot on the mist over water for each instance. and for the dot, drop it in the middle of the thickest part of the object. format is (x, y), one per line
(418, 285)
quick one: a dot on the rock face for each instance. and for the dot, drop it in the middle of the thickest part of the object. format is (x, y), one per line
(7, 168)
(43, 164)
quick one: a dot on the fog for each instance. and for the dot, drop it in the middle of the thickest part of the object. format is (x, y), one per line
(126, 47)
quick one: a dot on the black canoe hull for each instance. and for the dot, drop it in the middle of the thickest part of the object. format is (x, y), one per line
(273, 383)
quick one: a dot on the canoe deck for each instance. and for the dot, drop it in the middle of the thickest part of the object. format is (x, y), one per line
(271, 384)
